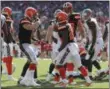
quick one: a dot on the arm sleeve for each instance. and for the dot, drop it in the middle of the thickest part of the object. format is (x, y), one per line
(105, 33)
(10, 37)
(24, 21)
(94, 34)
(4, 29)
(38, 34)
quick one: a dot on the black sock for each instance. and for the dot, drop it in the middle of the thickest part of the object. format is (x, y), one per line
(90, 67)
(96, 64)
(35, 73)
(51, 68)
(89, 62)
(26, 66)
(1, 69)
(84, 61)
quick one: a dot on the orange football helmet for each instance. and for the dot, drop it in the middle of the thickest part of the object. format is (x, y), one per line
(30, 12)
(7, 11)
(61, 17)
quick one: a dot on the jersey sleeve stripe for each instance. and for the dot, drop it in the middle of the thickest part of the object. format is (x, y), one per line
(25, 21)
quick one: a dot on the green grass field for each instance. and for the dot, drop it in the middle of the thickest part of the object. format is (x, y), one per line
(42, 72)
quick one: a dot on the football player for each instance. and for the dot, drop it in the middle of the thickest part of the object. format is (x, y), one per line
(27, 26)
(75, 20)
(95, 40)
(3, 29)
(104, 72)
(68, 49)
(8, 49)
(105, 38)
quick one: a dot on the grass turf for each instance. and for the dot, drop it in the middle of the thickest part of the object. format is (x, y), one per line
(42, 72)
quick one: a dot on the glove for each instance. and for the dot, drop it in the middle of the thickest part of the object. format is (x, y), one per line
(87, 56)
(47, 47)
(37, 43)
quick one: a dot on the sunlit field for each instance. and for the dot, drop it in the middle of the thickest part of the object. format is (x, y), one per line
(42, 72)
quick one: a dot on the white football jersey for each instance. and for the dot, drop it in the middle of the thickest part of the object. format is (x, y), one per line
(88, 32)
(56, 46)
(99, 33)
(3, 19)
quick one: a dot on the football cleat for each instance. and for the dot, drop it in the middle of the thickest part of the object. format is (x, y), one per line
(28, 82)
(63, 83)
(88, 84)
(49, 77)
(100, 76)
(11, 78)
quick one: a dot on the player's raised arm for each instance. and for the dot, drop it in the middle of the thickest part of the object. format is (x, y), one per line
(81, 28)
(49, 34)
(53, 25)
(32, 22)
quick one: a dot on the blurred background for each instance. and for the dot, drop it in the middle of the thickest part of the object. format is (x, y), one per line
(47, 8)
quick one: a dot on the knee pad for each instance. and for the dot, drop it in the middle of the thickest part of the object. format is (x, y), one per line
(32, 66)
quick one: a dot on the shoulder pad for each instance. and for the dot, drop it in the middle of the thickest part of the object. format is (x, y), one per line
(9, 19)
(76, 15)
(94, 20)
(24, 20)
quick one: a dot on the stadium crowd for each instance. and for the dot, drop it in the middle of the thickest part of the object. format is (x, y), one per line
(47, 9)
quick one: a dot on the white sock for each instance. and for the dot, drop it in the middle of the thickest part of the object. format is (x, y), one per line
(55, 71)
(4, 67)
(90, 73)
(88, 80)
(9, 76)
(29, 74)
(21, 77)
(35, 79)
